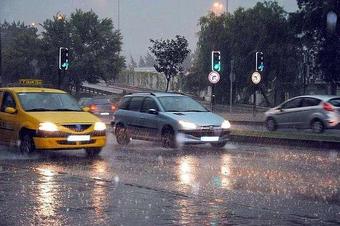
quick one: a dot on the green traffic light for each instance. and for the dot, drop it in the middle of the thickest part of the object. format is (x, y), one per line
(217, 67)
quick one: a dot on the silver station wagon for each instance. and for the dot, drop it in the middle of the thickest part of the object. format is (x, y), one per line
(171, 118)
(317, 112)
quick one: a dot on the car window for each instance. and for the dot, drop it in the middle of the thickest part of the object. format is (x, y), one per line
(7, 101)
(41, 101)
(309, 102)
(149, 103)
(124, 103)
(295, 103)
(135, 103)
(181, 104)
(335, 102)
(101, 101)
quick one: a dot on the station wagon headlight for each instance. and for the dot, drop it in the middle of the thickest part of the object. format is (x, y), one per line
(187, 125)
(99, 126)
(225, 124)
(48, 126)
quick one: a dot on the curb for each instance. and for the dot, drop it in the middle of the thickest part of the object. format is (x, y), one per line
(238, 122)
(285, 141)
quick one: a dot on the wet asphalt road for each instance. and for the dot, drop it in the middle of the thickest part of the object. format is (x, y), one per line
(143, 184)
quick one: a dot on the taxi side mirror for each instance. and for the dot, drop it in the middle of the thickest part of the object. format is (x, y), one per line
(86, 109)
(10, 110)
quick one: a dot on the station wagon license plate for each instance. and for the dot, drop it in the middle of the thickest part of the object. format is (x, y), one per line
(104, 113)
(78, 138)
(209, 138)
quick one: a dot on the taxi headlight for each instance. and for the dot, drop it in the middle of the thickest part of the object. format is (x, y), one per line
(48, 126)
(99, 126)
(225, 124)
(187, 125)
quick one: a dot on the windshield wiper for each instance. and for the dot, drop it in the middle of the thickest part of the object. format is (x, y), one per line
(194, 111)
(39, 109)
(65, 109)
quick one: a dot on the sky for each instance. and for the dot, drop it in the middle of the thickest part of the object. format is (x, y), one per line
(139, 20)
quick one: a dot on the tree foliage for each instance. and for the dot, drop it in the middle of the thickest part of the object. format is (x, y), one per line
(238, 36)
(94, 49)
(322, 43)
(169, 54)
(20, 51)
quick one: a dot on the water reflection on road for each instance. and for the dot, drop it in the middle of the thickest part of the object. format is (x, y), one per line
(204, 184)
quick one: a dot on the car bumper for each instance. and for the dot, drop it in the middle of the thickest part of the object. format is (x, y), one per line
(59, 140)
(62, 143)
(203, 137)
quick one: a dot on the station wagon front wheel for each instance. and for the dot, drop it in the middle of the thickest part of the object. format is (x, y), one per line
(122, 135)
(168, 138)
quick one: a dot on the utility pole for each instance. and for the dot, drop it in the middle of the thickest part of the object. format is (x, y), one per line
(118, 15)
(232, 78)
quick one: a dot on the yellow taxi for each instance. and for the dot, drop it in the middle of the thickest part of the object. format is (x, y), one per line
(42, 118)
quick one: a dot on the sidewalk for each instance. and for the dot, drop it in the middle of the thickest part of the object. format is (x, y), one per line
(243, 118)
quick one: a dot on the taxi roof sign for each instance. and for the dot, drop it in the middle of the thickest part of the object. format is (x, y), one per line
(31, 82)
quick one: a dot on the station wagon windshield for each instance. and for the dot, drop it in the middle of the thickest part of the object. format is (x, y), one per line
(48, 102)
(181, 104)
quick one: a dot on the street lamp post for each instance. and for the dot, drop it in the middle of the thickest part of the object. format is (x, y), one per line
(1, 79)
(60, 17)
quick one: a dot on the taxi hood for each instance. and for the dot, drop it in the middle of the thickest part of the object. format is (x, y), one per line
(64, 117)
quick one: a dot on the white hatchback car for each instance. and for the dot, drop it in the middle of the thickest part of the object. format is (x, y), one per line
(318, 112)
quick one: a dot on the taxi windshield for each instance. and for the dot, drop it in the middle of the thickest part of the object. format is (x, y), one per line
(31, 101)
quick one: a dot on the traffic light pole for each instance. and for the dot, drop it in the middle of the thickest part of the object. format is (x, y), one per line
(212, 99)
(254, 104)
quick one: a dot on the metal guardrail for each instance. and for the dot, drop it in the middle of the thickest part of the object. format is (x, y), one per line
(91, 90)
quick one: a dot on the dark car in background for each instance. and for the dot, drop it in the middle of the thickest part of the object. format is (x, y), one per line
(101, 106)
(317, 112)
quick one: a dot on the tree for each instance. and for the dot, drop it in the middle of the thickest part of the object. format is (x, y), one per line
(169, 54)
(322, 42)
(149, 60)
(20, 51)
(238, 36)
(94, 47)
(132, 64)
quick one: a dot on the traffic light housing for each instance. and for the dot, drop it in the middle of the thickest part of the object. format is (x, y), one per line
(216, 61)
(63, 58)
(259, 61)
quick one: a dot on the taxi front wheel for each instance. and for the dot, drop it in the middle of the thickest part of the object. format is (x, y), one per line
(26, 144)
(93, 151)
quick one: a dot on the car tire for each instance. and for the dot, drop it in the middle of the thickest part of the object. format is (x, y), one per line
(168, 138)
(219, 144)
(93, 151)
(271, 124)
(26, 143)
(317, 126)
(122, 135)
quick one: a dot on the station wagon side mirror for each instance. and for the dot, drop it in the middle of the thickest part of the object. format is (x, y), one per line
(86, 109)
(10, 110)
(153, 111)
